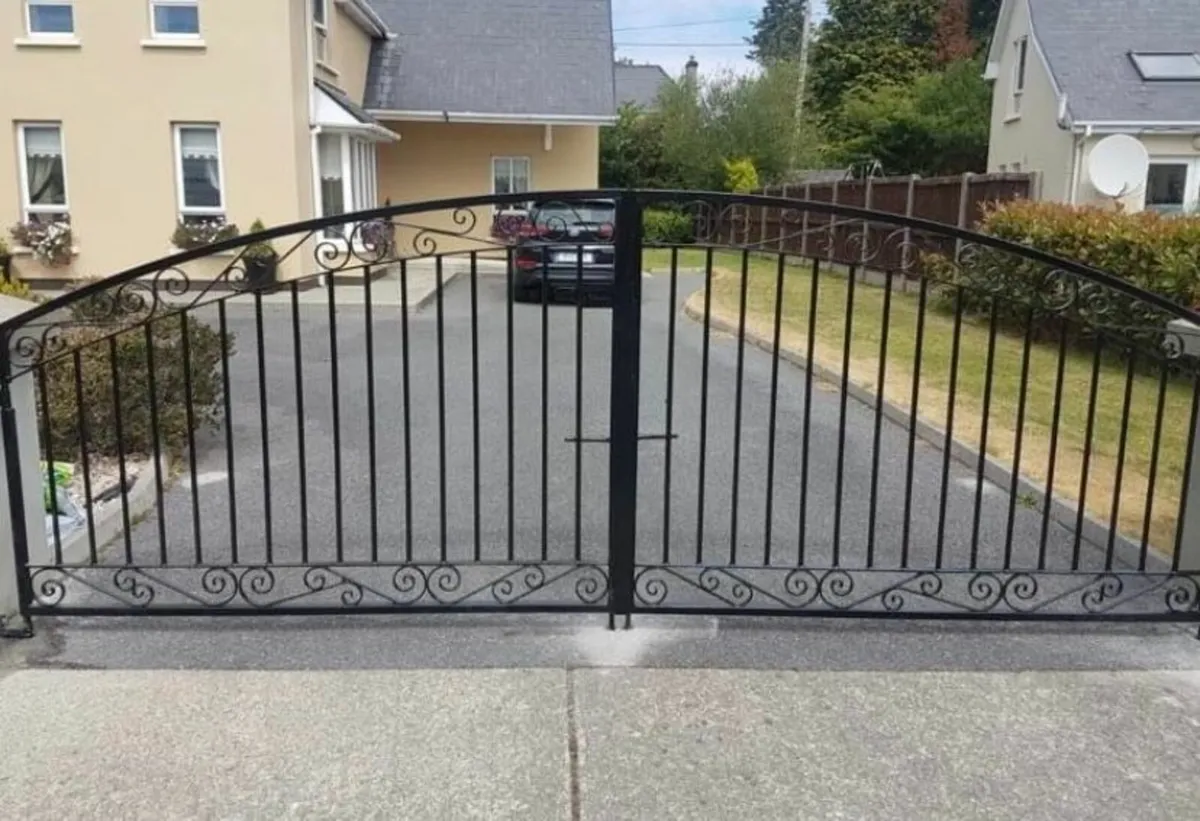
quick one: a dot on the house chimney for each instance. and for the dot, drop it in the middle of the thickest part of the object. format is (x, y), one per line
(691, 71)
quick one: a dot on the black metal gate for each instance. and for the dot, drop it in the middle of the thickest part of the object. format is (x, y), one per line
(773, 407)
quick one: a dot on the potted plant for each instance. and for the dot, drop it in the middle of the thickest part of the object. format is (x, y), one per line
(260, 258)
(201, 232)
(5, 261)
(51, 242)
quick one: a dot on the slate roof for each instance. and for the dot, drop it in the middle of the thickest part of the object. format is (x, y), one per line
(640, 84)
(352, 108)
(1087, 43)
(495, 57)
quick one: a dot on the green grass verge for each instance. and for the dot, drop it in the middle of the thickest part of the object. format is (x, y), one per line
(866, 333)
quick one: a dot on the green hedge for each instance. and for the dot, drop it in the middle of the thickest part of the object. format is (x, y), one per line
(96, 373)
(668, 227)
(1154, 252)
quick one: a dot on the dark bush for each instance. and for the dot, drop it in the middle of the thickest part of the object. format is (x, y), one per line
(668, 227)
(1154, 252)
(131, 366)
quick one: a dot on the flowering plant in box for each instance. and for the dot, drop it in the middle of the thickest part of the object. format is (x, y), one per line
(198, 233)
(50, 242)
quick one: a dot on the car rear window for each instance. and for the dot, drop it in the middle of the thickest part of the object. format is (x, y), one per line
(580, 213)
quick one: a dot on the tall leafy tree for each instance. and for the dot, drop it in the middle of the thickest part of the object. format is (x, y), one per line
(952, 41)
(697, 128)
(778, 32)
(984, 15)
(867, 44)
(936, 125)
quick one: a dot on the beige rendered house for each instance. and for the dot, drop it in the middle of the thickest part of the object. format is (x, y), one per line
(1068, 73)
(127, 117)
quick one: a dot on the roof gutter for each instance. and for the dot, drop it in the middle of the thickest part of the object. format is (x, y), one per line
(1125, 126)
(361, 12)
(490, 118)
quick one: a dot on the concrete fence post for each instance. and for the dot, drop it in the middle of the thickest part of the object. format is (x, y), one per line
(804, 221)
(779, 218)
(22, 531)
(1189, 538)
(964, 199)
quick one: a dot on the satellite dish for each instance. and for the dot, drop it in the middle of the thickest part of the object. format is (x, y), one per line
(1118, 165)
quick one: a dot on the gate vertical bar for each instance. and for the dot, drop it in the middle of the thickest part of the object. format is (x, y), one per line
(623, 415)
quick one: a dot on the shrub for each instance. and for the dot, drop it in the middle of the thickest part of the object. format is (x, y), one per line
(96, 374)
(259, 251)
(741, 177)
(668, 227)
(198, 233)
(1154, 252)
(18, 289)
(51, 242)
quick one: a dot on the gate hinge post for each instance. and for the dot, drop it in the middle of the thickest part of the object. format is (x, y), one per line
(21, 513)
(623, 417)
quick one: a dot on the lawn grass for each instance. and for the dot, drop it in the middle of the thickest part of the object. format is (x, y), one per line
(937, 349)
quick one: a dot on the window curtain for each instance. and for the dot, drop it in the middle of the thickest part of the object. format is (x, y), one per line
(201, 167)
(329, 160)
(44, 164)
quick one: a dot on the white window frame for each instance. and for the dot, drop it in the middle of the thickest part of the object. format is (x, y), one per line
(320, 32)
(1020, 76)
(48, 35)
(511, 158)
(169, 35)
(1191, 187)
(192, 211)
(363, 178)
(28, 208)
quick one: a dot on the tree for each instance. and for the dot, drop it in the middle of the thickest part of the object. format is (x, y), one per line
(631, 152)
(697, 128)
(778, 32)
(867, 44)
(952, 41)
(936, 125)
(984, 15)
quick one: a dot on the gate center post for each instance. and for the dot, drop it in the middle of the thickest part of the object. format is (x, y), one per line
(623, 415)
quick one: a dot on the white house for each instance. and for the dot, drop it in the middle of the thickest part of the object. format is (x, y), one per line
(1067, 73)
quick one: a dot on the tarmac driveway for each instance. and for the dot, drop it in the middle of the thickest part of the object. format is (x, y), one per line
(447, 497)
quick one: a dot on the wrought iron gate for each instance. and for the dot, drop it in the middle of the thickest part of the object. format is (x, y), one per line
(775, 407)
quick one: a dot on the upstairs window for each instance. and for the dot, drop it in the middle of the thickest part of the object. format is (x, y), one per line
(1020, 68)
(320, 31)
(50, 18)
(1167, 66)
(43, 172)
(175, 18)
(198, 169)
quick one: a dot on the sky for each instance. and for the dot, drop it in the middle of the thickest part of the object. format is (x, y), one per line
(712, 26)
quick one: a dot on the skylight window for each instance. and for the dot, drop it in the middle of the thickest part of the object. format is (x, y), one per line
(1180, 66)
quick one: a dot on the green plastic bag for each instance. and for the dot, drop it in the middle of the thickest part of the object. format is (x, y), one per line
(61, 474)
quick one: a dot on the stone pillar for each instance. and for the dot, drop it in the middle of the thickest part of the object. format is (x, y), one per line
(25, 463)
(1189, 543)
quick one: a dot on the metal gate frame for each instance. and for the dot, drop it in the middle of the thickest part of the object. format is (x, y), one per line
(854, 243)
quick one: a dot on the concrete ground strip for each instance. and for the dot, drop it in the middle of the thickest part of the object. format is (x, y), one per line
(599, 744)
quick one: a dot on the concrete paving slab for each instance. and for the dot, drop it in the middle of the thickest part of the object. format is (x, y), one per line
(171, 745)
(708, 744)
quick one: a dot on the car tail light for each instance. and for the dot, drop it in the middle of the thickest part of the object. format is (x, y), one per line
(530, 230)
(527, 263)
(605, 231)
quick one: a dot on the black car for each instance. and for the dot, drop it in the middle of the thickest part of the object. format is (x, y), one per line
(562, 248)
